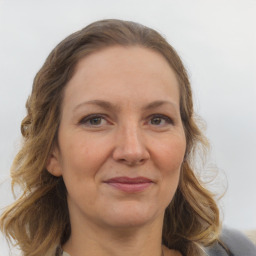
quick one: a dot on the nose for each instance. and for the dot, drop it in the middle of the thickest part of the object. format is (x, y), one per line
(130, 147)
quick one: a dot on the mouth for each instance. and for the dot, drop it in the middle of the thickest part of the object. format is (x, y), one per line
(129, 185)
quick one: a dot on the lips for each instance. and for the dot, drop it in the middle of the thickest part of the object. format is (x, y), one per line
(130, 185)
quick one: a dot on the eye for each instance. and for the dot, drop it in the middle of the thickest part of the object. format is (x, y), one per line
(94, 120)
(160, 120)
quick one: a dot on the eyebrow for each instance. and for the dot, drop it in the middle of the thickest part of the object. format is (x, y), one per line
(159, 103)
(109, 106)
(101, 103)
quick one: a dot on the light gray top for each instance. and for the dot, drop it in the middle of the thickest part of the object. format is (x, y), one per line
(238, 244)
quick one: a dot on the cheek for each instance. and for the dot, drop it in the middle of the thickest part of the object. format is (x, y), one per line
(170, 157)
(170, 154)
(82, 159)
(80, 165)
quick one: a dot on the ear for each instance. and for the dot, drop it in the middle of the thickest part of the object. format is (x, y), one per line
(53, 165)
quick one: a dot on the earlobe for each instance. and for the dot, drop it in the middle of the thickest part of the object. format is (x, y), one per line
(53, 165)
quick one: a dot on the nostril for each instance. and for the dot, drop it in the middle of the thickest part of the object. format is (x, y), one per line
(132, 162)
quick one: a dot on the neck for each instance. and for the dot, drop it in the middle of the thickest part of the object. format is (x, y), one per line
(108, 241)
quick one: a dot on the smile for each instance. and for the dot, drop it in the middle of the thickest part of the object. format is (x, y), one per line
(130, 185)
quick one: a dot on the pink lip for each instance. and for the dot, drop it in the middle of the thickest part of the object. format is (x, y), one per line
(130, 185)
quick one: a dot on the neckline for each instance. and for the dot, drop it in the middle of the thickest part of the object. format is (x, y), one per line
(65, 254)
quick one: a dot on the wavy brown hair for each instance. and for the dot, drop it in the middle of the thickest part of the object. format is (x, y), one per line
(39, 220)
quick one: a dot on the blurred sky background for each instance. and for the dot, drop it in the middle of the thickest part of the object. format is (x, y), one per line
(216, 39)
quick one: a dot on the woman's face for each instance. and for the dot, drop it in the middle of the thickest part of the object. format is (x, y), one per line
(121, 139)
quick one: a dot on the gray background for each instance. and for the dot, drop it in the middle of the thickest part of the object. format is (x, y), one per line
(216, 40)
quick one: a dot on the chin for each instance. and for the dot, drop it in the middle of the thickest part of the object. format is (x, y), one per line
(132, 216)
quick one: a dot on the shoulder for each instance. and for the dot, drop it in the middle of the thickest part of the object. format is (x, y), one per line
(235, 241)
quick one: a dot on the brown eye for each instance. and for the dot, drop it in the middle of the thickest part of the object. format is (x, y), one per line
(160, 120)
(93, 121)
(156, 121)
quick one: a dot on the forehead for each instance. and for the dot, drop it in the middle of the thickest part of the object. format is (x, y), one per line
(119, 71)
(124, 57)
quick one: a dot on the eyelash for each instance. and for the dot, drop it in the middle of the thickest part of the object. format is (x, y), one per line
(85, 120)
(167, 119)
(89, 118)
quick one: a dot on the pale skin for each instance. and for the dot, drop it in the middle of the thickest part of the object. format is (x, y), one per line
(120, 118)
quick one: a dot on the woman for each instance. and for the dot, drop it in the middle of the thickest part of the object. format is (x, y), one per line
(109, 143)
